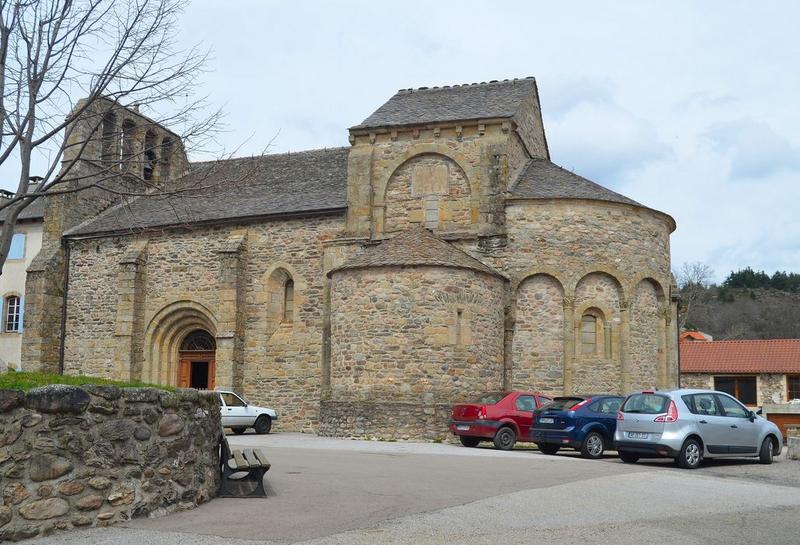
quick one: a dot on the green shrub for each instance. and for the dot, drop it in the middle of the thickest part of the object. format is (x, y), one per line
(26, 381)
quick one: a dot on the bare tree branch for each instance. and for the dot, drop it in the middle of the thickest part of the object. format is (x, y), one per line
(108, 53)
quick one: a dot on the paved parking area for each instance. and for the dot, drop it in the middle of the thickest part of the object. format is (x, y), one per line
(332, 491)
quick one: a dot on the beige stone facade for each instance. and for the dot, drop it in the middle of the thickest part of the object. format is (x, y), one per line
(434, 259)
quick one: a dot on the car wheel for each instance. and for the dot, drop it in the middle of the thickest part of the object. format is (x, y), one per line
(548, 448)
(766, 453)
(469, 441)
(690, 455)
(505, 438)
(238, 431)
(627, 457)
(593, 446)
(263, 424)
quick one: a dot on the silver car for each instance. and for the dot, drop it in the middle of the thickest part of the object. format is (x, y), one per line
(690, 425)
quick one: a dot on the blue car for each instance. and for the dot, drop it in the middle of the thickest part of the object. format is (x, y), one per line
(584, 423)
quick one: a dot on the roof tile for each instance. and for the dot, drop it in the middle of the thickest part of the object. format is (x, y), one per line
(308, 181)
(415, 247)
(451, 103)
(746, 356)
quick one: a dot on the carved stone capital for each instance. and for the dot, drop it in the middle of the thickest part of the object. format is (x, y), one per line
(569, 301)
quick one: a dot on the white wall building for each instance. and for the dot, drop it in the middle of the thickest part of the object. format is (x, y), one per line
(25, 245)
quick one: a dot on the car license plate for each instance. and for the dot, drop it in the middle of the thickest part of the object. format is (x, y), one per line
(546, 420)
(637, 435)
(462, 427)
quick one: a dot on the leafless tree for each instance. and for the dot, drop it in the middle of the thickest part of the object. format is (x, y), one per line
(108, 52)
(693, 279)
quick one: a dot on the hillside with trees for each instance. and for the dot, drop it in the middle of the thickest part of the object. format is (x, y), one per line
(747, 305)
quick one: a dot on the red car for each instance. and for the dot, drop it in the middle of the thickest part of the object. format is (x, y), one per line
(500, 417)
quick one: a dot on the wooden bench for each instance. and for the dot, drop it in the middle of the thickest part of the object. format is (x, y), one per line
(242, 472)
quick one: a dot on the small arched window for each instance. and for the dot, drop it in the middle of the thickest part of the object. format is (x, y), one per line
(12, 314)
(288, 301)
(150, 160)
(593, 333)
(589, 334)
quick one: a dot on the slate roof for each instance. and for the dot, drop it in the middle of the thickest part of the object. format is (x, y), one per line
(34, 211)
(541, 179)
(451, 103)
(288, 183)
(415, 247)
(751, 356)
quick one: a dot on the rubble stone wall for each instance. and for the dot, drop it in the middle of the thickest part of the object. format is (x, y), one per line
(91, 456)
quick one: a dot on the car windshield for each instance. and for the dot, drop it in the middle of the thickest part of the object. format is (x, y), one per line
(646, 404)
(561, 404)
(490, 399)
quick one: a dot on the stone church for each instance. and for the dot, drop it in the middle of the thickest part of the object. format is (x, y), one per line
(360, 290)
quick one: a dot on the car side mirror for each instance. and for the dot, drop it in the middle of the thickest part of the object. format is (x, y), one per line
(752, 416)
(760, 411)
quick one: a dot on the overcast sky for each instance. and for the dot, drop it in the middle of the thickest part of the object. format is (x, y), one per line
(691, 108)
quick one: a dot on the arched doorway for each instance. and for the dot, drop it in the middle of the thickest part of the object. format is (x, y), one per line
(197, 360)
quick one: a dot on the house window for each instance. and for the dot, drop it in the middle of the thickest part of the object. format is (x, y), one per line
(12, 314)
(288, 301)
(17, 249)
(792, 387)
(742, 388)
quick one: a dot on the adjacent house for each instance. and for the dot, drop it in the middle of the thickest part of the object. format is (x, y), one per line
(757, 372)
(25, 245)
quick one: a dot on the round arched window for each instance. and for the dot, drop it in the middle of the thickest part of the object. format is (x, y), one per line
(199, 341)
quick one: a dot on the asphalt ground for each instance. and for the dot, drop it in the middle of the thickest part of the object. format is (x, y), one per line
(334, 491)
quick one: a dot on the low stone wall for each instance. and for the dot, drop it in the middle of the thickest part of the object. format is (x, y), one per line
(91, 456)
(793, 442)
(385, 420)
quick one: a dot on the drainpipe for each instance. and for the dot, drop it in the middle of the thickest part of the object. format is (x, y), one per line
(64, 308)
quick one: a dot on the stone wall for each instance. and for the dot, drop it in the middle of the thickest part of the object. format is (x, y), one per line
(217, 279)
(92, 456)
(697, 380)
(429, 190)
(770, 388)
(385, 420)
(423, 335)
(538, 346)
(793, 442)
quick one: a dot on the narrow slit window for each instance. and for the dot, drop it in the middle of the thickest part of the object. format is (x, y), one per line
(288, 301)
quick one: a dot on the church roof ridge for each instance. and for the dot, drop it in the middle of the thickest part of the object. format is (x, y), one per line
(415, 247)
(279, 184)
(484, 100)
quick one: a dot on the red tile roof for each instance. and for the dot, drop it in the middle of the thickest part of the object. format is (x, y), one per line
(767, 356)
(693, 336)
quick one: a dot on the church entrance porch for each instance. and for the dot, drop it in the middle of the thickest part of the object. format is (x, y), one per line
(197, 361)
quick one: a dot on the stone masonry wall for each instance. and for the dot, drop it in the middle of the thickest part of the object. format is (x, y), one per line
(538, 349)
(771, 388)
(425, 335)
(92, 456)
(569, 240)
(385, 420)
(646, 337)
(278, 362)
(429, 181)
